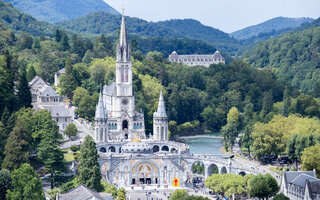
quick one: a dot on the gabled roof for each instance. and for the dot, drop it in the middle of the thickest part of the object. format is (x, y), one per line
(48, 91)
(301, 180)
(313, 187)
(80, 193)
(290, 176)
(58, 111)
(217, 55)
(35, 80)
(61, 71)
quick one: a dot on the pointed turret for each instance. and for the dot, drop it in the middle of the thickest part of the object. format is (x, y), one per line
(100, 111)
(123, 48)
(160, 121)
(161, 111)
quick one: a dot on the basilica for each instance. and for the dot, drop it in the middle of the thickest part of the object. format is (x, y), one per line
(127, 156)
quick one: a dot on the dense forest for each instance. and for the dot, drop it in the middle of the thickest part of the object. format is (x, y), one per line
(294, 58)
(101, 22)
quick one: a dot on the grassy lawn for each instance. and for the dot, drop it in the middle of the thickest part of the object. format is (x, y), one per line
(69, 157)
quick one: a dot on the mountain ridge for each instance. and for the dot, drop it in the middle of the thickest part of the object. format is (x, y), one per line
(106, 23)
(274, 24)
(56, 11)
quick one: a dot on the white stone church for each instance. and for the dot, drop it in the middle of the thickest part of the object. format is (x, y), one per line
(127, 156)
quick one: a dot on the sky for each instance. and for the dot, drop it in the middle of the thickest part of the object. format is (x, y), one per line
(226, 15)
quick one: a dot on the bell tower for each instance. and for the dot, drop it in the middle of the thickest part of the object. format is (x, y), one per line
(123, 65)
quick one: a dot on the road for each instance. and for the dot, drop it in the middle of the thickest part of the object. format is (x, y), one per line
(83, 131)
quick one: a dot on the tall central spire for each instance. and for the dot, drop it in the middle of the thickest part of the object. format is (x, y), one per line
(123, 49)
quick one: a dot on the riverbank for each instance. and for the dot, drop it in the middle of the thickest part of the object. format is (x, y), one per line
(201, 136)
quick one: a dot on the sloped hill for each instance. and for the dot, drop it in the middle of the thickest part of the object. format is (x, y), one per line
(60, 10)
(19, 22)
(294, 57)
(106, 23)
(275, 24)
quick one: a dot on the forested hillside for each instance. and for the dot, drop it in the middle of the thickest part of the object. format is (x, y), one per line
(106, 23)
(20, 22)
(272, 25)
(57, 11)
(294, 57)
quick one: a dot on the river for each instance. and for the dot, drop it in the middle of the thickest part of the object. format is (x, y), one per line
(203, 144)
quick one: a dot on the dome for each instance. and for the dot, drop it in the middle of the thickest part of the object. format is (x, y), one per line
(136, 147)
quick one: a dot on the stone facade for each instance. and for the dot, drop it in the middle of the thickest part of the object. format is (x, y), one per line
(197, 60)
(57, 76)
(300, 185)
(126, 156)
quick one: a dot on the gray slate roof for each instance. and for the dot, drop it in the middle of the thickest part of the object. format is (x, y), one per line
(58, 111)
(313, 187)
(48, 91)
(161, 111)
(196, 57)
(290, 176)
(109, 90)
(301, 180)
(100, 110)
(36, 79)
(61, 71)
(81, 193)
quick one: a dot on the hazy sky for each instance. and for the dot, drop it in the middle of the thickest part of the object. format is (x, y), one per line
(226, 15)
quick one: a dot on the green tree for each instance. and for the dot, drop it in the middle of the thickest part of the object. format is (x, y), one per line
(7, 97)
(121, 194)
(87, 107)
(292, 149)
(51, 155)
(64, 42)
(230, 130)
(246, 139)
(31, 73)
(316, 90)
(280, 196)
(58, 35)
(311, 159)
(226, 184)
(17, 147)
(26, 185)
(89, 169)
(24, 93)
(267, 104)
(5, 183)
(67, 81)
(179, 194)
(78, 94)
(263, 186)
(286, 103)
(88, 56)
(71, 130)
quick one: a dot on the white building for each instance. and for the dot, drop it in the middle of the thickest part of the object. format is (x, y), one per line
(196, 59)
(300, 185)
(57, 76)
(60, 114)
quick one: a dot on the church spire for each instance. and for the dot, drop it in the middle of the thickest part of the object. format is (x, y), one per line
(161, 111)
(100, 111)
(123, 49)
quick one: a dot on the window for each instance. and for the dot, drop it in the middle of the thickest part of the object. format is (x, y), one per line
(122, 75)
(126, 74)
